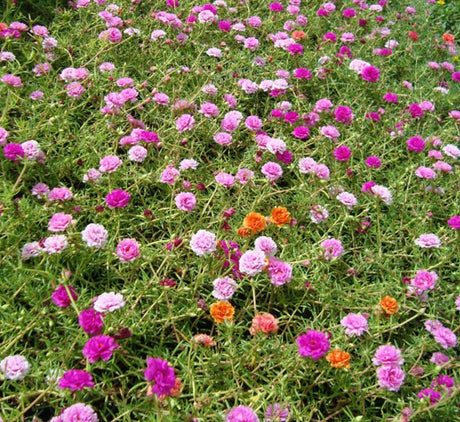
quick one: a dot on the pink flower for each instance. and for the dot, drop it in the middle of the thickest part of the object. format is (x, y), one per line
(94, 235)
(203, 242)
(347, 199)
(242, 413)
(428, 240)
(390, 377)
(109, 164)
(118, 198)
(252, 262)
(31, 250)
(383, 193)
(15, 367)
(244, 175)
(318, 214)
(314, 344)
(223, 138)
(137, 153)
(332, 248)
(272, 171)
(445, 337)
(61, 298)
(330, 132)
(266, 245)
(355, 324)
(224, 288)
(387, 355)
(60, 194)
(78, 412)
(162, 376)
(99, 347)
(169, 175)
(108, 302)
(112, 35)
(60, 221)
(185, 201)
(279, 272)
(128, 250)
(55, 244)
(11, 80)
(253, 123)
(425, 173)
(424, 280)
(185, 122)
(225, 179)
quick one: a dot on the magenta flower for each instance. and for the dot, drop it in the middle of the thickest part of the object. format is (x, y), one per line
(370, 74)
(454, 222)
(76, 379)
(118, 198)
(99, 347)
(13, 152)
(90, 321)
(342, 153)
(161, 374)
(314, 344)
(61, 298)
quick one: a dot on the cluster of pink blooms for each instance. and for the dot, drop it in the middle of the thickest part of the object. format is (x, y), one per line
(389, 372)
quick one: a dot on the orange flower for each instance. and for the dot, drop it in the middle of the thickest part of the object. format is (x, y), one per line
(243, 232)
(3, 26)
(222, 311)
(254, 222)
(389, 305)
(339, 359)
(298, 35)
(448, 38)
(280, 216)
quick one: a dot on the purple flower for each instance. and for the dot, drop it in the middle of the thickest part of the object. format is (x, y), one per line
(439, 358)
(162, 374)
(76, 379)
(342, 153)
(454, 222)
(99, 347)
(314, 344)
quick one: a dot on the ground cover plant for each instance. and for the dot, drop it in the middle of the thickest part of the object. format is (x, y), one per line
(233, 211)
